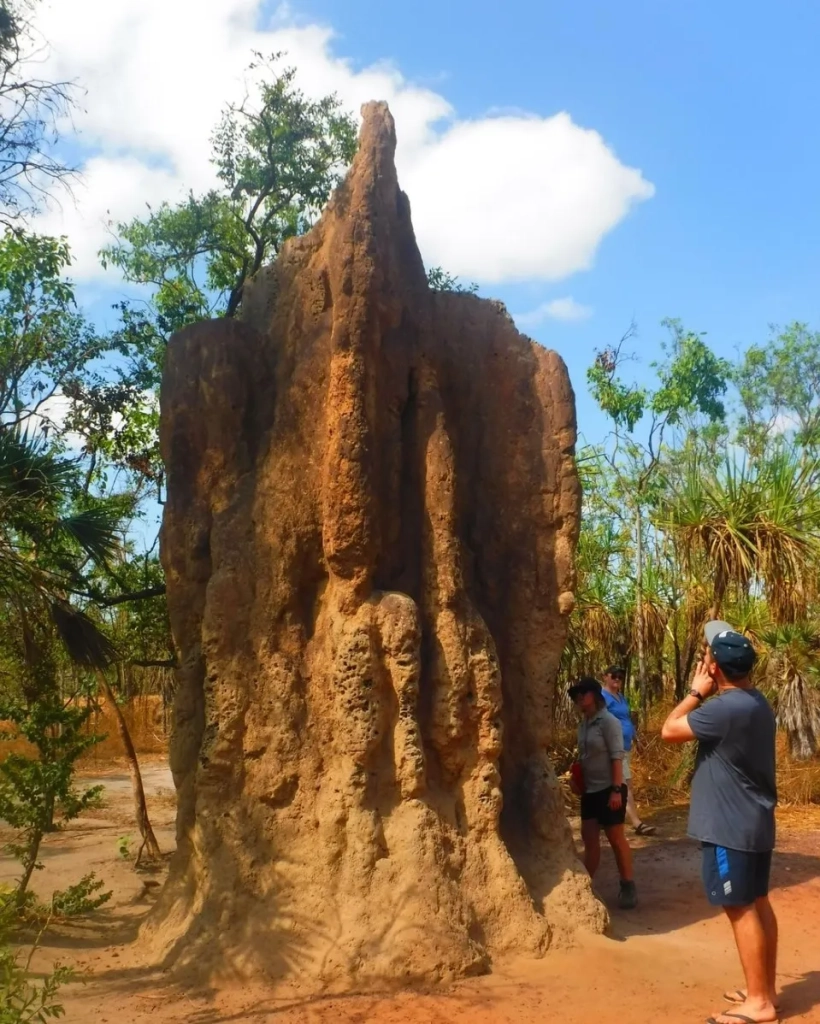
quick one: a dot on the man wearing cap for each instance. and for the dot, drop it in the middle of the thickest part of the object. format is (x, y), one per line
(732, 807)
(603, 793)
(618, 705)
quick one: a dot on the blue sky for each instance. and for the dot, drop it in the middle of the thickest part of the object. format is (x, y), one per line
(713, 103)
(716, 103)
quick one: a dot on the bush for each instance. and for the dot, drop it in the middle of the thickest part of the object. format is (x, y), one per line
(24, 999)
(80, 899)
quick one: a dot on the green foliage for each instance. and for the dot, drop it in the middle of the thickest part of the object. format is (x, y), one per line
(691, 381)
(37, 794)
(624, 404)
(440, 281)
(25, 999)
(124, 846)
(277, 156)
(45, 344)
(779, 389)
(80, 899)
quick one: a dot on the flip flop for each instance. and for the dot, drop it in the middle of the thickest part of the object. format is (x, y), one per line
(739, 996)
(645, 830)
(736, 1016)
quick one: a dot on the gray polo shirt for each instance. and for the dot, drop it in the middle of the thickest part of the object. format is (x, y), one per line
(600, 742)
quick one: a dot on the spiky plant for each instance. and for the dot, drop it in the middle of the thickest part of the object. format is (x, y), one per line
(749, 524)
(789, 660)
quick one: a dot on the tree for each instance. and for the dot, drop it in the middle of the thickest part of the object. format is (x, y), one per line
(691, 384)
(34, 791)
(790, 658)
(751, 524)
(440, 281)
(277, 157)
(779, 389)
(46, 345)
(30, 110)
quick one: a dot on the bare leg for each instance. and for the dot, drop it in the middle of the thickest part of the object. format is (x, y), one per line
(631, 809)
(755, 959)
(623, 853)
(591, 835)
(769, 922)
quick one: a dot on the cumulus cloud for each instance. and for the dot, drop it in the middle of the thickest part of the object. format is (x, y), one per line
(557, 309)
(504, 197)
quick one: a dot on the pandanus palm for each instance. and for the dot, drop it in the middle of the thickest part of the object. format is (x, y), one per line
(750, 526)
(790, 656)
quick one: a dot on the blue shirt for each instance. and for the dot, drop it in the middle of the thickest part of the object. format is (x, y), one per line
(619, 707)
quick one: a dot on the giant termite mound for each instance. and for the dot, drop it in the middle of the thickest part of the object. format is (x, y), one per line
(368, 540)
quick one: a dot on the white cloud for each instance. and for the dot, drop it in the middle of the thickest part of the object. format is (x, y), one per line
(498, 198)
(557, 309)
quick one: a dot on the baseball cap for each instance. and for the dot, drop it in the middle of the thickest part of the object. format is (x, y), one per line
(617, 671)
(731, 650)
(585, 685)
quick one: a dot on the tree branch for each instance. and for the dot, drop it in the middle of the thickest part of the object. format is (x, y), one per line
(136, 595)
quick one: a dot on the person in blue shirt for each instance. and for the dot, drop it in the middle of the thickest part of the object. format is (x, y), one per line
(618, 705)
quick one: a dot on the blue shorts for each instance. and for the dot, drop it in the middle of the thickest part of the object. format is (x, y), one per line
(735, 878)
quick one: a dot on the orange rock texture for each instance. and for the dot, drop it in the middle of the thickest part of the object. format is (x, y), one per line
(369, 536)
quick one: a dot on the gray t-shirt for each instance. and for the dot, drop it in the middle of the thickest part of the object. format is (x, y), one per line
(734, 792)
(600, 742)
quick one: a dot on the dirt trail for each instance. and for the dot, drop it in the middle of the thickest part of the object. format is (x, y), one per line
(669, 961)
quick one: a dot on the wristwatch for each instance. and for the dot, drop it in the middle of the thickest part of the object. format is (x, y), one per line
(694, 693)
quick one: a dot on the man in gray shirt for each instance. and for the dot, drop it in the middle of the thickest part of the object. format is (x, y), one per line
(603, 792)
(734, 795)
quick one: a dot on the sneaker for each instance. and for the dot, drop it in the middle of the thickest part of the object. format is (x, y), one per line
(628, 896)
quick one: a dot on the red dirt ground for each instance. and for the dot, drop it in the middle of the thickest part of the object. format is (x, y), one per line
(668, 961)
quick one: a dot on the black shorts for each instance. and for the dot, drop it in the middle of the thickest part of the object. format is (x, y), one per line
(734, 878)
(595, 807)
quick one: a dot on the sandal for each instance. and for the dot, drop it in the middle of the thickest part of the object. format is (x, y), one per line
(739, 996)
(734, 1016)
(645, 830)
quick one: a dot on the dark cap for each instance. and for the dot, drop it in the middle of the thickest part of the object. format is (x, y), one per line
(732, 651)
(585, 685)
(617, 671)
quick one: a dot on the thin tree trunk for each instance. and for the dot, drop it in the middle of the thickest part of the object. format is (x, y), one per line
(639, 612)
(149, 846)
(29, 865)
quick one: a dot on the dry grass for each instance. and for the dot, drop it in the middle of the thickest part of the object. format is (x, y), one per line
(144, 717)
(661, 771)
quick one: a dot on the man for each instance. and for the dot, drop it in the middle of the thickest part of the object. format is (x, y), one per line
(732, 807)
(618, 705)
(603, 798)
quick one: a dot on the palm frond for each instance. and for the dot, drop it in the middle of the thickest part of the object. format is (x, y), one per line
(94, 530)
(798, 714)
(84, 641)
(28, 470)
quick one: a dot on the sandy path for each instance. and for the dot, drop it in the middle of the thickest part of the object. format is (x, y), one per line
(670, 960)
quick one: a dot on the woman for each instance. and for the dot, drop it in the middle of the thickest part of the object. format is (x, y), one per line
(603, 800)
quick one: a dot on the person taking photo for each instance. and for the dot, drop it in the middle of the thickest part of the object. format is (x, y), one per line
(733, 801)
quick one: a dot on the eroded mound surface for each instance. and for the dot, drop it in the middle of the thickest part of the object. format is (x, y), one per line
(368, 540)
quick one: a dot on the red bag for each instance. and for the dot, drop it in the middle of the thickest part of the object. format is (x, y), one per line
(576, 773)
